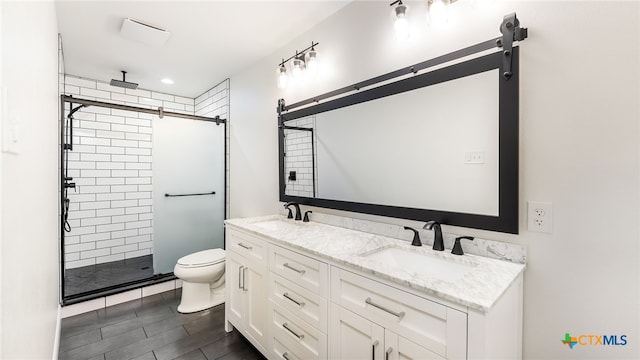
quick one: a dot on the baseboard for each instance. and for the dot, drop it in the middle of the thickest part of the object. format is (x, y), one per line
(56, 338)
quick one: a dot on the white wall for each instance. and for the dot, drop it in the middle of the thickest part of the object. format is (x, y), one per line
(579, 139)
(29, 263)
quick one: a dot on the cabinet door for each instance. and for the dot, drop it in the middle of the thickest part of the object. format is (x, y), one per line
(256, 296)
(235, 299)
(400, 348)
(354, 337)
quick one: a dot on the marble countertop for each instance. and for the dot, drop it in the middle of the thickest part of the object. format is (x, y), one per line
(479, 288)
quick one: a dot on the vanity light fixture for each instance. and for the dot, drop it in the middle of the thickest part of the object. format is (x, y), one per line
(438, 12)
(305, 61)
(400, 23)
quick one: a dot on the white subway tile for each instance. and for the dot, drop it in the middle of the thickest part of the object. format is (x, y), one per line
(99, 94)
(96, 221)
(138, 151)
(77, 198)
(94, 141)
(145, 245)
(145, 216)
(85, 83)
(143, 231)
(145, 202)
(138, 166)
(138, 92)
(75, 256)
(138, 239)
(145, 159)
(82, 165)
(137, 224)
(108, 87)
(94, 205)
(94, 253)
(124, 218)
(79, 247)
(138, 253)
(123, 114)
(110, 181)
(109, 166)
(123, 203)
(172, 106)
(108, 118)
(148, 102)
(161, 96)
(145, 187)
(110, 134)
(97, 110)
(94, 157)
(183, 100)
(70, 240)
(124, 248)
(96, 238)
(95, 173)
(136, 136)
(109, 243)
(145, 144)
(82, 214)
(110, 212)
(124, 158)
(138, 122)
(71, 90)
(88, 124)
(138, 195)
(124, 143)
(190, 109)
(123, 97)
(138, 180)
(109, 197)
(109, 150)
(124, 173)
(111, 227)
(145, 130)
(124, 128)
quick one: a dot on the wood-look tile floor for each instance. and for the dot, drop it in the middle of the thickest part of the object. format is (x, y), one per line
(152, 329)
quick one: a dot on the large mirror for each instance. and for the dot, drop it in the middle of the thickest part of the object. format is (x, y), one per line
(441, 146)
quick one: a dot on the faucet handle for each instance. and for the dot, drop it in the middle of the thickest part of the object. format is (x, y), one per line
(416, 237)
(306, 216)
(457, 248)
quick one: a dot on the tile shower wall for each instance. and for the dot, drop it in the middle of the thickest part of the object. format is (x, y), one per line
(111, 163)
(299, 158)
(215, 102)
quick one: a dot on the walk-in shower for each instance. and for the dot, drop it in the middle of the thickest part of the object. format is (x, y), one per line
(139, 189)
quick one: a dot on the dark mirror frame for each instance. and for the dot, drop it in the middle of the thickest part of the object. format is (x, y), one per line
(508, 138)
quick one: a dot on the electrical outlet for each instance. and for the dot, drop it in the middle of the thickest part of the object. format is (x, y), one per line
(540, 216)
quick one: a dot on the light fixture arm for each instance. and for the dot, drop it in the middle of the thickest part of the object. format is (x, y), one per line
(299, 53)
(511, 31)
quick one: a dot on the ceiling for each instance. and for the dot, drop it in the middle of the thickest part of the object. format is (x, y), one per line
(210, 40)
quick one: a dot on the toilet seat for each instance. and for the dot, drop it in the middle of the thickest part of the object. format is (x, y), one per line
(202, 258)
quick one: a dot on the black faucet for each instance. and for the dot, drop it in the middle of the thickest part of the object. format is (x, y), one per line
(416, 237)
(438, 243)
(298, 215)
(457, 248)
(306, 216)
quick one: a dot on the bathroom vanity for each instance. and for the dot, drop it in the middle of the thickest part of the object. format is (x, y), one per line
(314, 291)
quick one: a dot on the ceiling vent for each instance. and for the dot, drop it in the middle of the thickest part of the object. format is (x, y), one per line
(144, 33)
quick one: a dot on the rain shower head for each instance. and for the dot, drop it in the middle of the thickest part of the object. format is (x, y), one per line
(123, 83)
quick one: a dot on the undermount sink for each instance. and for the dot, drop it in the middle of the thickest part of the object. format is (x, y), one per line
(272, 225)
(420, 263)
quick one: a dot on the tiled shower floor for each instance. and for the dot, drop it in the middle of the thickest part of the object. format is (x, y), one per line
(94, 277)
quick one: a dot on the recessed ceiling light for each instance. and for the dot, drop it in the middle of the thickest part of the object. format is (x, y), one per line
(167, 81)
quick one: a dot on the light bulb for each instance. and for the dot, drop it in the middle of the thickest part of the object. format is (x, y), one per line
(401, 24)
(438, 13)
(312, 62)
(296, 70)
(283, 79)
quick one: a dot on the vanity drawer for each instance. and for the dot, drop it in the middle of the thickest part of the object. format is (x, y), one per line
(250, 247)
(301, 302)
(309, 273)
(292, 335)
(438, 328)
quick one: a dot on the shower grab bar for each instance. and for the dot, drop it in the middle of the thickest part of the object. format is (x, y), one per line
(198, 194)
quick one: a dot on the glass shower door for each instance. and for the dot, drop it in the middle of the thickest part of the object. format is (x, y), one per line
(188, 189)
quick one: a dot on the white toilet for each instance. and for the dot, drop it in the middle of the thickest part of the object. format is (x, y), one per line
(202, 275)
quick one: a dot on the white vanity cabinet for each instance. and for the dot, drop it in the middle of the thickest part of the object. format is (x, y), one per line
(318, 304)
(298, 289)
(399, 322)
(246, 287)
